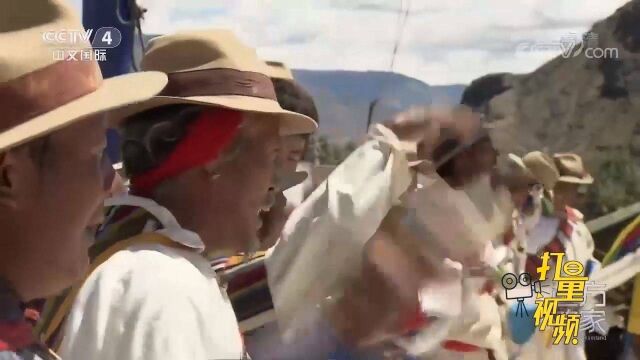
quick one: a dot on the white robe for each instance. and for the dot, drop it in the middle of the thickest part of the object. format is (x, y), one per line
(153, 302)
(579, 247)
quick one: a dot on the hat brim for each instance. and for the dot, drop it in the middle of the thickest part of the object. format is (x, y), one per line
(291, 123)
(112, 93)
(517, 160)
(586, 180)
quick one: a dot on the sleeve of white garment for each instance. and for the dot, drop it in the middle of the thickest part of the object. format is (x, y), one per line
(147, 305)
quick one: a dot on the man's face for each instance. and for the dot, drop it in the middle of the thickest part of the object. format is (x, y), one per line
(566, 194)
(474, 162)
(292, 151)
(58, 194)
(486, 156)
(243, 187)
(519, 194)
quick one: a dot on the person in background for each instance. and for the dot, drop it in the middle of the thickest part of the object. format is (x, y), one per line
(462, 162)
(534, 176)
(202, 162)
(263, 338)
(562, 230)
(295, 182)
(52, 169)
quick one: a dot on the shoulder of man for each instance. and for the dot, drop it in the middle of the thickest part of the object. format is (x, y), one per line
(146, 268)
(153, 288)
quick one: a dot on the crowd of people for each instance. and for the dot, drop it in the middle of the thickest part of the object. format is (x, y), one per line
(123, 262)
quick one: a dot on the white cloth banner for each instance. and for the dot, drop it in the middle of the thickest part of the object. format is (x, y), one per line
(323, 241)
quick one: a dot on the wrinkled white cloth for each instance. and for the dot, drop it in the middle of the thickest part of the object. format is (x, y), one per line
(152, 302)
(459, 225)
(296, 195)
(323, 240)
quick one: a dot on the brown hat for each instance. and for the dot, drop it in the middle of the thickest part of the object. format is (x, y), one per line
(39, 91)
(572, 169)
(212, 67)
(542, 167)
(517, 168)
(278, 70)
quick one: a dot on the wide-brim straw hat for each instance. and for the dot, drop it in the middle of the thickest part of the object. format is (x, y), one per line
(39, 92)
(517, 170)
(542, 167)
(572, 169)
(213, 68)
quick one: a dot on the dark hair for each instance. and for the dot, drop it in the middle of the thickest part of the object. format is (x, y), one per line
(293, 97)
(149, 137)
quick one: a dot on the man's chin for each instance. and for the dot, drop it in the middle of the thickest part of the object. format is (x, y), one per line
(69, 276)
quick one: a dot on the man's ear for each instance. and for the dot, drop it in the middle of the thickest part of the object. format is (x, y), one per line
(7, 181)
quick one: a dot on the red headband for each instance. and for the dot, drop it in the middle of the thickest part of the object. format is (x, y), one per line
(206, 137)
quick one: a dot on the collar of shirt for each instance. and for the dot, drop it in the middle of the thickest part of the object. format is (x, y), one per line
(170, 226)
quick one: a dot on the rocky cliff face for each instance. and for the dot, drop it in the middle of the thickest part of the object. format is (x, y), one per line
(586, 105)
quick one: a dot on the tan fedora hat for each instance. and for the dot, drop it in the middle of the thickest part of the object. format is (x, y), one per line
(212, 67)
(278, 70)
(39, 93)
(542, 167)
(572, 169)
(517, 168)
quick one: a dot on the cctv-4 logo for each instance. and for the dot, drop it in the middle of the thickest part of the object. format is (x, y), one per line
(106, 38)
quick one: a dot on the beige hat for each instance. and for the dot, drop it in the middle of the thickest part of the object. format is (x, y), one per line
(42, 87)
(572, 169)
(542, 167)
(212, 67)
(278, 70)
(518, 168)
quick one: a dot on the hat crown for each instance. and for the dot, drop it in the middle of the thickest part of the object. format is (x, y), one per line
(200, 50)
(23, 25)
(542, 167)
(278, 70)
(570, 165)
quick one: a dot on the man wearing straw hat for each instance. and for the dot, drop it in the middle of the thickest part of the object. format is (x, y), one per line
(201, 158)
(560, 229)
(292, 97)
(573, 182)
(53, 176)
(262, 336)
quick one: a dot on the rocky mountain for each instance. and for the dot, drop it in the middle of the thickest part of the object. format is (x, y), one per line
(344, 98)
(579, 103)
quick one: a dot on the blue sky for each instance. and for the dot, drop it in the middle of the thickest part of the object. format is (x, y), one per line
(444, 41)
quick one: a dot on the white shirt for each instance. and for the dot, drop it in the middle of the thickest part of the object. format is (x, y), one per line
(153, 302)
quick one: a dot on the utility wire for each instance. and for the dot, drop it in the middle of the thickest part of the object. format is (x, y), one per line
(403, 14)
